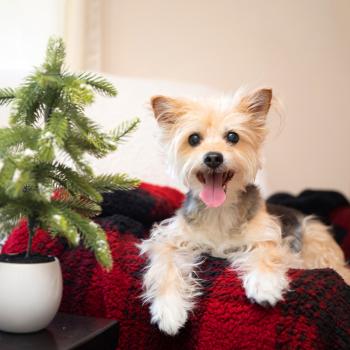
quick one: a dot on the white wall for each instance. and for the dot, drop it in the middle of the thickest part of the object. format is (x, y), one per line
(25, 26)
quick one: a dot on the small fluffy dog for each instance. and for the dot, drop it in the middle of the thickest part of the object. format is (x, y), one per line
(215, 150)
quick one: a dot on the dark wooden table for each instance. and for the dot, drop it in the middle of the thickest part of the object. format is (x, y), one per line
(66, 332)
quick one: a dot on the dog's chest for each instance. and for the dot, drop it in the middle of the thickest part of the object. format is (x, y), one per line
(220, 230)
(221, 223)
(214, 229)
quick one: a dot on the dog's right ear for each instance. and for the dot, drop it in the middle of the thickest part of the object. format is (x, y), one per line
(256, 103)
(165, 109)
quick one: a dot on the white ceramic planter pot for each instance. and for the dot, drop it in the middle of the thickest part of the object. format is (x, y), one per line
(30, 295)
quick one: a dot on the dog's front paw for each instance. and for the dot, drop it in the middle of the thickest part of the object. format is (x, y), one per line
(169, 313)
(265, 289)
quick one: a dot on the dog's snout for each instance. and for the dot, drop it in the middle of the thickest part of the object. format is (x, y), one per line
(213, 159)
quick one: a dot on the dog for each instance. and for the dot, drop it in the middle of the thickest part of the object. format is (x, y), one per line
(214, 149)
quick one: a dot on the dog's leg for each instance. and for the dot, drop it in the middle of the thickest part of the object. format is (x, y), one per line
(169, 284)
(263, 265)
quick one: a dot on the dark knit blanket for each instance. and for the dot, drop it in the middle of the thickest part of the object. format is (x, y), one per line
(314, 315)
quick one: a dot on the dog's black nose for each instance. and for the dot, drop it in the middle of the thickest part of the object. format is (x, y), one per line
(213, 159)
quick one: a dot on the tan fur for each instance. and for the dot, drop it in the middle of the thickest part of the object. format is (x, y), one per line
(320, 249)
(240, 230)
(257, 103)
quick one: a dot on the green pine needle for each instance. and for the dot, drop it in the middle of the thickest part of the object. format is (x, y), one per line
(18, 136)
(81, 205)
(93, 236)
(107, 183)
(74, 182)
(99, 84)
(28, 104)
(55, 55)
(6, 96)
(58, 126)
(124, 130)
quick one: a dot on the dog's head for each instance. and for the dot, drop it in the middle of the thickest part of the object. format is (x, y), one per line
(214, 148)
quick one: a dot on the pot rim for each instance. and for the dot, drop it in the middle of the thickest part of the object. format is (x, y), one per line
(25, 261)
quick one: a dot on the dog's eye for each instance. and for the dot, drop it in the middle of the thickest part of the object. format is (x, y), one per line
(194, 139)
(232, 137)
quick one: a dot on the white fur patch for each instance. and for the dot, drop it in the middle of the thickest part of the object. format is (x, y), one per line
(169, 283)
(265, 287)
(169, 312)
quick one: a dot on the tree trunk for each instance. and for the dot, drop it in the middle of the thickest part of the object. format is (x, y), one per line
(31, 232)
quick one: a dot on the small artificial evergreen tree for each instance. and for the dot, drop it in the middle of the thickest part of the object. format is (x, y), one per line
(44, 176)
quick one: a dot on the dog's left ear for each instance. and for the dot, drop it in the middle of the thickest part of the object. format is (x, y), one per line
(256, 103)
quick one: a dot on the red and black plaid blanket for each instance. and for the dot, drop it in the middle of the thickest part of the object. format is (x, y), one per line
(314, 315)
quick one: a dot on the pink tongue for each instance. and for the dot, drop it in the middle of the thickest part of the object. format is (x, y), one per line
(212, 194)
